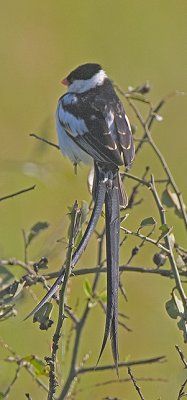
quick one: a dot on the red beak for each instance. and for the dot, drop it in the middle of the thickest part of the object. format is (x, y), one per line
(65, 82)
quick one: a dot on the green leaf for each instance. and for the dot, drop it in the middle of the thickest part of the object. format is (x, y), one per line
(39, 366)
(171, 200)
(149, 221)
(103, 296)
(1, 396)
(87, 289)
(166, 198)
(171, 309)
(78, 239)
(35, 230)
(165, 229)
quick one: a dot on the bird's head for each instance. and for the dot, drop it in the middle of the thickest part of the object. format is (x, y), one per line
(85, 77)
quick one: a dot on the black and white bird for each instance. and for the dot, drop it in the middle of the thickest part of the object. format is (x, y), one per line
(92, 126)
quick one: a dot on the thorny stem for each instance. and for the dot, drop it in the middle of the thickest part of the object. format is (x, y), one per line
(57, 334)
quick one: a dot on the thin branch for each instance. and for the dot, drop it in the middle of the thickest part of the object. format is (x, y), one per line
(57, 334)
(135, 384)
(14, 262)
(181, 355)
(127, 268)
(11, 384)
(147, 125)
(168, 245)
(121, 365)
(44, 140)
(9, 196)
(146, 238)
(181, 391)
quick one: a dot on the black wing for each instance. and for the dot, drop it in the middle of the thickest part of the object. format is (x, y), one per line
(90, 129)
(124, 133)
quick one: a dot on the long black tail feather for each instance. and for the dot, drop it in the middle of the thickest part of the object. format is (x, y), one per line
(108, 189)
(112, 211)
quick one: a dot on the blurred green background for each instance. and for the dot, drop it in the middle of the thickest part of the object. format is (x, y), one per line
(40, 42)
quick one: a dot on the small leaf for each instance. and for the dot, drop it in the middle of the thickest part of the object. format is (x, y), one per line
(172, 240)
(90, 180)
(7, 294)
(147, 222)
(92, 303)
(1, 396)
(87, 289)
(35, 230)
(40, 367)
(78, 239)
(103, 296)
(19, 288)
(165, 230)
(171, 309)
(179, 304)
(182, 325)
(166, 199)
(179, 261)
(170, 199)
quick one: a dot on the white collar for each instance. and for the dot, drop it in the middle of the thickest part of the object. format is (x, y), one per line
(80, 86)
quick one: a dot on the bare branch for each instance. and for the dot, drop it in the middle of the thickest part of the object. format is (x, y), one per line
(45, 140)
(135, 384)
(9, 196)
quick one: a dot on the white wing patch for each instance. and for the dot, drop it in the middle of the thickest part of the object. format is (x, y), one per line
(128, 123)
(74, 126)
(111, 125)
(68, 147)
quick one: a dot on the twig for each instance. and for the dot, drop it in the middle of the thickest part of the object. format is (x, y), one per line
(9, 196)
(181, 391)
(11, 384)
(121, 365)
(57, 334)
(135, 384)
(44, 140)
(146, 125)
(127, 268)
(146, 238)
(181, 355)
(14, 261)
(168, 245)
